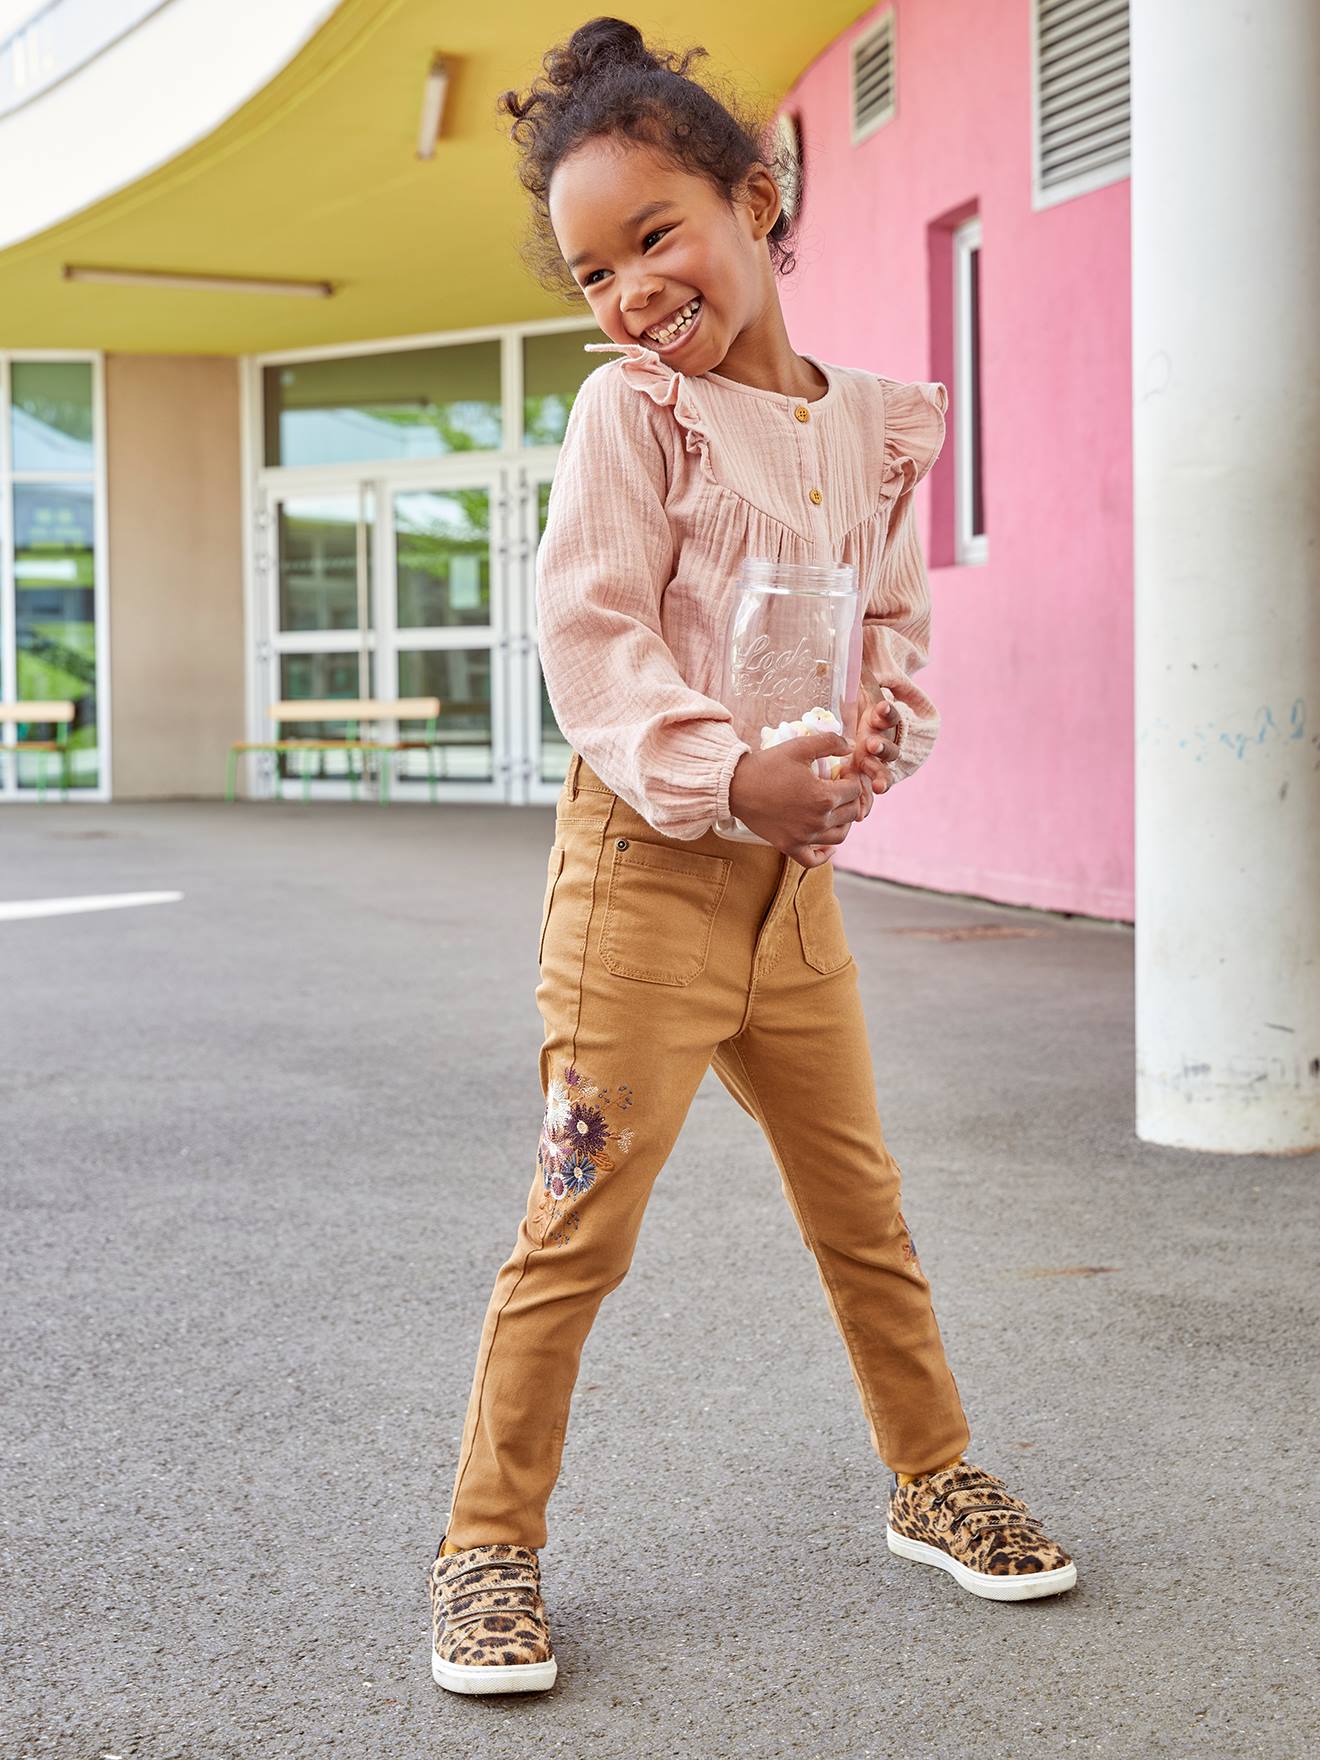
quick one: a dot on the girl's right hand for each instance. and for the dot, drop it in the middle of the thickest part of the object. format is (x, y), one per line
(777, 794)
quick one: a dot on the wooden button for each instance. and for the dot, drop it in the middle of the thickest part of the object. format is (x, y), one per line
(816, 496)
(802, 413)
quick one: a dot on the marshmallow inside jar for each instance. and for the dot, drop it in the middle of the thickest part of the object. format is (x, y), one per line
(815, 720)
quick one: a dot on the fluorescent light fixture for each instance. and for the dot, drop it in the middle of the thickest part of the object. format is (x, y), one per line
(433, 107)
(197, 283)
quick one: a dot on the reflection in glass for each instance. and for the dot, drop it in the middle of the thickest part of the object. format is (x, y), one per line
(319, 550)
(554, 748)
(395, 404)
(312, 676)
(55, 597)
(554, 367)
(460, 677)
(443, 547)
(51, 418)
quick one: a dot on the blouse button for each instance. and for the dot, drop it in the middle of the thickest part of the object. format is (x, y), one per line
(816, 496)
(802, 413)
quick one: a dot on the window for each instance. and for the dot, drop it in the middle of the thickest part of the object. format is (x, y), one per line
(50, 561)
(1081, 94)
(388, 404)
(60, 37)
(873, 79)
(554, 367)
(970, 544)
(788, 141)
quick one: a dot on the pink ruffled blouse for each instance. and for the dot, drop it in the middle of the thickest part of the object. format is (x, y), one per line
(664, 484)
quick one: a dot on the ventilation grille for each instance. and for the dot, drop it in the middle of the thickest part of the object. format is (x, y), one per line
(1083, 90)
(873, 78)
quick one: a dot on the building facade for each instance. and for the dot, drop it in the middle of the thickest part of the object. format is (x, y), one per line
(191, 536)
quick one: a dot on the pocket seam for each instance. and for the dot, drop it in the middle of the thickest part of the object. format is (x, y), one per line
(717, 883)
(555, 865)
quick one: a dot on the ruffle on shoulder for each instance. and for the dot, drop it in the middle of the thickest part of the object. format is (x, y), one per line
(914, 432)
(643, 369)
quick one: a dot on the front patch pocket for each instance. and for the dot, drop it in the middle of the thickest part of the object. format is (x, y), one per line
(660, 910)
(820, 921)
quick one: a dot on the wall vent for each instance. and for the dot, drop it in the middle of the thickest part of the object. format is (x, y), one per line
(873, 78)
(1083, 96)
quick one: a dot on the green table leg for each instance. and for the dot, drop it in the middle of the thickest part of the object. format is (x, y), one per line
(430, 758)
(350, 733)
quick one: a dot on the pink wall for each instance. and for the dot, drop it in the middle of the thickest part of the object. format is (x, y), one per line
(1028, 795)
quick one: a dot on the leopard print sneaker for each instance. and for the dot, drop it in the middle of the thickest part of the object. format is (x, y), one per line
(488, 1626)
(964, 1520)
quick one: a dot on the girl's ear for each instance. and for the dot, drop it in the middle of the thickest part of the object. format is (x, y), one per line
(762, 199)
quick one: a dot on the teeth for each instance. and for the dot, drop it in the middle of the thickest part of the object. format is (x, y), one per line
(686, 315)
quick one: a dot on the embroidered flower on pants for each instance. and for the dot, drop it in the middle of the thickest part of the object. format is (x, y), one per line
(576, 1144)
(586, 1129)
(556, 1104)
(581, 1173)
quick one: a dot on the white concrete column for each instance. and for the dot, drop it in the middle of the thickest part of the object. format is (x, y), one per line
(1226, 461)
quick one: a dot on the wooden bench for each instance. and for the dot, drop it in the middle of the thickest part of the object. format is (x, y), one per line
(61, 713)
(353, 711)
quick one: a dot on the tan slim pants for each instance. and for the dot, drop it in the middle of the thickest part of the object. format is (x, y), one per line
(658, 958)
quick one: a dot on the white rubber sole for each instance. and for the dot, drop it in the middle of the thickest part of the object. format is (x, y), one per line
(1026, 1588)
(503, 1677)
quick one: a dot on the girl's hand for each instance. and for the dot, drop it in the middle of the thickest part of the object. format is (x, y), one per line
(874, 749)
(777, 794)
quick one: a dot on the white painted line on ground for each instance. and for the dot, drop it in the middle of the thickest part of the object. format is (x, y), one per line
(64, 907)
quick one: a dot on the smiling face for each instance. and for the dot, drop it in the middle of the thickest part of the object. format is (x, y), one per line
(653, 246)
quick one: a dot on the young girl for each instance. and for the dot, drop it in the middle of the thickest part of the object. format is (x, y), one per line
(665, 948)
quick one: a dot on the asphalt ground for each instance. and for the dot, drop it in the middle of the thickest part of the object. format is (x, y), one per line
(264, 1150)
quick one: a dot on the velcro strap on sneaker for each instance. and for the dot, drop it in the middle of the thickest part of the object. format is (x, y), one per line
(490, 1566)
(963, 1501)
(507, 1587)
(468, 1615)
(988, 1521)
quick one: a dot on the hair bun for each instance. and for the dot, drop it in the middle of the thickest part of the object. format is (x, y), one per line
(600, 42)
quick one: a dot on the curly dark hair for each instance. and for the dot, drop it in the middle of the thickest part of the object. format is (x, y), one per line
(605, 81)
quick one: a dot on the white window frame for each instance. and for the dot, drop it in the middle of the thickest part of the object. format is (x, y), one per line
(1099, 178)
(887, 22)
(514, 470)
(969, 547)
(28, 796)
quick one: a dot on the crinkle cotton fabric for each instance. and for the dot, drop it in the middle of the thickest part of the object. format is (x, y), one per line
(665, 482)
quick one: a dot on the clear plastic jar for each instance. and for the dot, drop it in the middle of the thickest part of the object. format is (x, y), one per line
(792, 658)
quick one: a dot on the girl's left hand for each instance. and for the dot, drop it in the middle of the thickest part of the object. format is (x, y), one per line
(873, 750)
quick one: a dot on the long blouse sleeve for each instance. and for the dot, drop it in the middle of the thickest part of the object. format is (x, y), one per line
(896, 622)
(605, 558)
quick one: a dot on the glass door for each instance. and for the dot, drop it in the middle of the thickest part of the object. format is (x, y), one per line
(317, 556)
(401, 497)
(393, 585)
(445, 630)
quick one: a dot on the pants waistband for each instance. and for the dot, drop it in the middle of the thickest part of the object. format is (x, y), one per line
(582, 776)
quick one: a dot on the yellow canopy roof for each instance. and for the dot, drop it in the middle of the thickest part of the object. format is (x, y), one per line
(316, 178)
